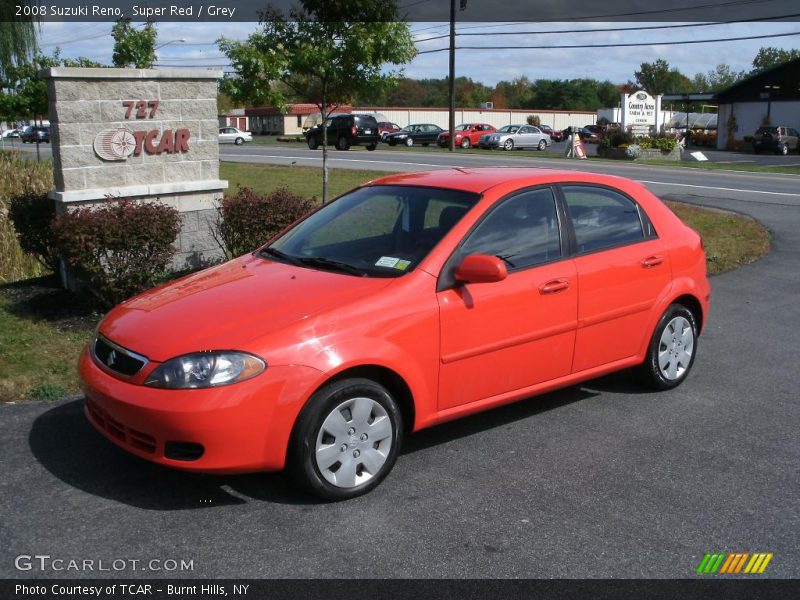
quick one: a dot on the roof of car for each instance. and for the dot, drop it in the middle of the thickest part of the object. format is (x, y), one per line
(480, 179)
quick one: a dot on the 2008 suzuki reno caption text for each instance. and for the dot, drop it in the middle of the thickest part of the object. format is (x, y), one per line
(412, 300)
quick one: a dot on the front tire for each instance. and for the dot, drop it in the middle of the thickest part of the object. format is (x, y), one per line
(672, 349)
(409, 142)
(508, 145)
(346, 439)
(312, 143)
(784, 149)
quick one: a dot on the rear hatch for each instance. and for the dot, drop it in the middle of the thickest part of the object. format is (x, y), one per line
(366, 126)
(766, 135)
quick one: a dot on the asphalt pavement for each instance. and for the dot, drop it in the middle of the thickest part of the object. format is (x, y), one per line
(604, 479)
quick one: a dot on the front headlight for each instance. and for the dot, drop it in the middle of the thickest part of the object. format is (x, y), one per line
(205, 369)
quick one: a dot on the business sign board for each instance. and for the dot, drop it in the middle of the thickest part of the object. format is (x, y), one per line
(640, 113)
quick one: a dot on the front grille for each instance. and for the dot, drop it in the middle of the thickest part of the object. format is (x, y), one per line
(136, 439)
(117, 358)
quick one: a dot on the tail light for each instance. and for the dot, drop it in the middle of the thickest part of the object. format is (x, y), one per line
(354, 130)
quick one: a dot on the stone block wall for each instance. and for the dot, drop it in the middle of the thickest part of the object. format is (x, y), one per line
(88, 106)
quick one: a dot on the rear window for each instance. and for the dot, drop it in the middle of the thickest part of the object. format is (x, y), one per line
(366, 121)
(763, 130)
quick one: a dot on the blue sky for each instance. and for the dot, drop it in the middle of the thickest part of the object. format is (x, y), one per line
(488, 66)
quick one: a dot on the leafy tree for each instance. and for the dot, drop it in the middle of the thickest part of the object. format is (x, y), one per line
(132, 46)
(658, 78)
(17, 36)
(23, 95)
(517, 92)
(769, 57)
(338, 48)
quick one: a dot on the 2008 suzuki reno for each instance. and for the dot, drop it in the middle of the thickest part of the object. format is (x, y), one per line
(412, 300)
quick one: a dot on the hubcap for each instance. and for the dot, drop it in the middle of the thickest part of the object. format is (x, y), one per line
(354, 442)
(675, 348)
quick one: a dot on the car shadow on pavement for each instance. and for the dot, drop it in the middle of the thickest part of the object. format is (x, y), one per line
(65, 444)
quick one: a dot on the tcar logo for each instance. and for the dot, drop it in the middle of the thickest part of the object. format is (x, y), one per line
(114, 144)
(120, 143)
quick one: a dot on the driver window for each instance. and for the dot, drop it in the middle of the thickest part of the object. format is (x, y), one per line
(523, 231)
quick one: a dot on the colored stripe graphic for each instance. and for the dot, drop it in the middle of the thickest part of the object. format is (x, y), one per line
(733, 563)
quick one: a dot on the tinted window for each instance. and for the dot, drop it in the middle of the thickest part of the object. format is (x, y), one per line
(366, 121)
(382, 230)
(523, 231)
(602, 217)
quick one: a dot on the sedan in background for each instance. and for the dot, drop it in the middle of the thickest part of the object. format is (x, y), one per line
(231, 135)
(411, 301)
(515, 136)
(11, 133)
(466, 135)
(385, 128)
(419, 133)
(555, 134)
(590, 136)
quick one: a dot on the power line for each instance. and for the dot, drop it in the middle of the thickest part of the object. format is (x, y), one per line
(619, 29)
(626, 45)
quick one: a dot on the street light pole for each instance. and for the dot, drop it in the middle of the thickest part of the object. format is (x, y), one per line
(452, 81)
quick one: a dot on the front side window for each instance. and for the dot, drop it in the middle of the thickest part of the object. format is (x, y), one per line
(380, 231)
(523, 231)
(602, 218)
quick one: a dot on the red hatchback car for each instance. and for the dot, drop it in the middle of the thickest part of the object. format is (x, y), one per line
(467, 135)
(412, 300)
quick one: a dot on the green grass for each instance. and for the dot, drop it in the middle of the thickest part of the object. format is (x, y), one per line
(713, 166)
(731, 240)
(304, 181)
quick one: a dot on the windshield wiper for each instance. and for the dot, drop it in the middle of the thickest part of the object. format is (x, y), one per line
(331, 264)
(269, 251)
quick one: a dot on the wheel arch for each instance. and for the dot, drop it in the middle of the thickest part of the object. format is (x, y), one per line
(692, 303)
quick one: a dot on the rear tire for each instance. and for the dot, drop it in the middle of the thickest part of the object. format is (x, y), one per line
(465, 143)
(372, 147)
(672, 349)
(784, 149)
(542, 146)
(346, 439)
(342, 143)
(239, 141)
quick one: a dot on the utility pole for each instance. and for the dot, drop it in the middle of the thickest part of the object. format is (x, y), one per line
(452, 78)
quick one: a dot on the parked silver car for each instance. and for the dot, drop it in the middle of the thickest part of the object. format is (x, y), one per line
(516, 136)
(231, 135)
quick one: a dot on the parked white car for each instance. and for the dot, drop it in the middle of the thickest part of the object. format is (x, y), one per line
(11, 133)
(516, 136)
(231, 135)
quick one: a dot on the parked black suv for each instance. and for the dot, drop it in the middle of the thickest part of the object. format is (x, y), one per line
(776, 139)
(345, 131)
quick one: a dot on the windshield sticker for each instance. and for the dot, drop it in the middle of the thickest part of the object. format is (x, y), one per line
(387, 261)
(402, 264)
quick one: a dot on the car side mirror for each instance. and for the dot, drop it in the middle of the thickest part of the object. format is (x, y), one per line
(481, 268)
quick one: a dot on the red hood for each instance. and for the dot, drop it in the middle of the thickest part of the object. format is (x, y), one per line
(224, 307)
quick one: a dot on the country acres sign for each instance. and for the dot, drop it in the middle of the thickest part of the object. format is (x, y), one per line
(639, 112)
(118, 143)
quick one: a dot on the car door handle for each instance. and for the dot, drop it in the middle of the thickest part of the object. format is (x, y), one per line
(554, 286)
(652, 261)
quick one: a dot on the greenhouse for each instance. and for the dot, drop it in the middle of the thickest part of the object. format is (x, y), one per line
(696, 121)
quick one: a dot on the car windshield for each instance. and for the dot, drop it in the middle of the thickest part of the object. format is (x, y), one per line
(508, 129)
(376, 231)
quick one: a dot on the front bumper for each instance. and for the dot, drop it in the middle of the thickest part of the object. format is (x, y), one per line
(240, 428)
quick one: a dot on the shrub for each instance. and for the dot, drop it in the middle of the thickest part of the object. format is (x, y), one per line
(664, 144)
(19, 177)
(290, 138)
(633, 151)
(119, 249)
(32, 214)
(534, 120)
(247, 219)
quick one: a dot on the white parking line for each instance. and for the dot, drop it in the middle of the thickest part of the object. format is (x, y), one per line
(353, 160)
(721, 189)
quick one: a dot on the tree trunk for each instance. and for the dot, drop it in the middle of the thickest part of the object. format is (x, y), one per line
(324, 115)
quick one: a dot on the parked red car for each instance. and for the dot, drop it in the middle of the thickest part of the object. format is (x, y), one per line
(410, 301)
(555, 134)
(385, 127)
(467, 135)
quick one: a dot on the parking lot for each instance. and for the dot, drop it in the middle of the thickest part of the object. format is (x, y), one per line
(600, 480)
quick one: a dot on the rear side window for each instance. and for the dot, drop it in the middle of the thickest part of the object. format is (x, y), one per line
(602, 218)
